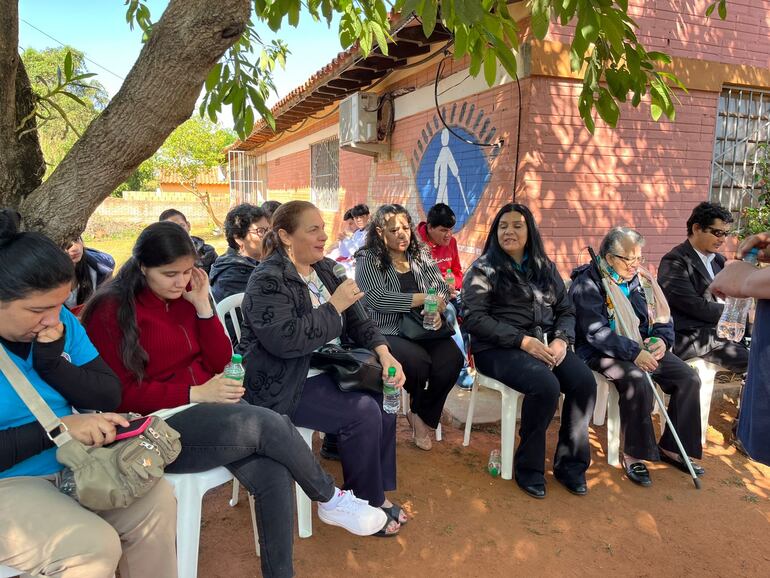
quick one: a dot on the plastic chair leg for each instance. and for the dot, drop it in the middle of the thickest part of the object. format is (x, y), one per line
(707, 376)
(508, 431)
(602, 392)
(188, 532)
(236, 492)
(469, 416)
(253, 509)
(613, 427)
(304, 504)
(438, 433)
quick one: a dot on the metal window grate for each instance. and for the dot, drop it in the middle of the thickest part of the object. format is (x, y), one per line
(743, 122)
(325, 174)
(248, 177)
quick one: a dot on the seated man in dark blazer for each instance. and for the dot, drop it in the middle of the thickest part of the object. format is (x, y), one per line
(685, 274)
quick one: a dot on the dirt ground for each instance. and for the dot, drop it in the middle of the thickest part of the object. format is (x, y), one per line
(466, 523)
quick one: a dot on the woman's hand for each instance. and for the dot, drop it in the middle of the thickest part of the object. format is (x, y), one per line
(51, 334)
(346, 294)
(759, 241)
(198, 294)
(387, 360)
(646, 361)
(218, 389)
(538, 350)
(558, 349)
(656, 346)
(94, 429)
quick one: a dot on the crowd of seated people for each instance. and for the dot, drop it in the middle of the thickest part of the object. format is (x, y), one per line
(151, 342)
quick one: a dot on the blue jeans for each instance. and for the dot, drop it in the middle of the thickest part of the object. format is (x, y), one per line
(266, 453)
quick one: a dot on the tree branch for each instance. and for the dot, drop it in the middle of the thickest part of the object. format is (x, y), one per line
(156, 97)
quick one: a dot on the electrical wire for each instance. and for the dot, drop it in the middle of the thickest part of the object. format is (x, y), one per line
(65, 46)
(439, 68)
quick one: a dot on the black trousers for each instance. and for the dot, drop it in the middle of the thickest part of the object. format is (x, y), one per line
(541, 388)
(431, 368)
(677, 379)
(729, 354)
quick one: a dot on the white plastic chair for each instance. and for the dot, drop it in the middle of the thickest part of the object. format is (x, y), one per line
(509, 410)
(8, 572)
(189, 490)
(229, 306)
(608, 404)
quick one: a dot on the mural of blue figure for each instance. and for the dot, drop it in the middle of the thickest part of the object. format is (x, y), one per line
(454, 172)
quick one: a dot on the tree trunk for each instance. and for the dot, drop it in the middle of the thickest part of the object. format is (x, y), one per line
(21, 160)
(158, 94)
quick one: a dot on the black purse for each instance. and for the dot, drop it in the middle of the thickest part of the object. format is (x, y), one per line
(411, 327)
(353, 368)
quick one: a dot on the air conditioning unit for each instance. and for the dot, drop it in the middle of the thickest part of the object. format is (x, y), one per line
(358, 124)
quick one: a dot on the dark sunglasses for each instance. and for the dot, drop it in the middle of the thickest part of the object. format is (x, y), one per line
(718, 233)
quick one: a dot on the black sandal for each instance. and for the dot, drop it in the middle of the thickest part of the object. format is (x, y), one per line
(394, 513)
(383, 532)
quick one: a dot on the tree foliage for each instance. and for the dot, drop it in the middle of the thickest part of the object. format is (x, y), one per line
(67, 99)
(756, 219)
(192, 152)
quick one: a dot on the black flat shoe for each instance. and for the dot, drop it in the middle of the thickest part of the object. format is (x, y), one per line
(699, 471)
(637, 473)
(536, 491)
(577, 488)
(329, 452)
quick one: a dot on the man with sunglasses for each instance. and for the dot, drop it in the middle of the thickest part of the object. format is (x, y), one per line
(685, 275)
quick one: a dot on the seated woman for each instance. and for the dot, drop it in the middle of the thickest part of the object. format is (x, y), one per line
(45, 532)
(92, 268)
(293, 305)
(396, 271)
(522, 324)
(640, 342)
(154, 325)
(245, 226)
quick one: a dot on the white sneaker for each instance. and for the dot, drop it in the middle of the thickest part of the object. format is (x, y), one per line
(353, 514)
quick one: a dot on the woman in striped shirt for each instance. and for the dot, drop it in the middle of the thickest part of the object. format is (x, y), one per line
(396, 271)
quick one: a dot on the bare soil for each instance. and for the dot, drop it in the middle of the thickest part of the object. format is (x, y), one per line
(466, 523)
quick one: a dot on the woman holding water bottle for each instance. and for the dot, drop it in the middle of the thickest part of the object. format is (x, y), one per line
(155, 327)
(400, 278)
(628, 335)
(744, 280)
(521, 323)
(294, 304)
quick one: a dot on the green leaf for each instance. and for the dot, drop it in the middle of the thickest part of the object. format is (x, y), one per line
(379, 35)
(490, 67)
(541, 11)
(722, 9)
(655, 111)
(73, 97)
(68, 65)
(608, 108)
(213, 77)
(659, 57)
(429, 17)
(710, 10)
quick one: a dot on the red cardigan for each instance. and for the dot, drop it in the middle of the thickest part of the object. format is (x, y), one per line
(183, 350)
(446, 257)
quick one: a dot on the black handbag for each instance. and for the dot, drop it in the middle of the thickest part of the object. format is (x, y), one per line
(411, 327)
(353, 368)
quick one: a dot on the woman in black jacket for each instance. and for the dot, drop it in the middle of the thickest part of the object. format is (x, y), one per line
(293, 305)
(522, 323)
(397, 271)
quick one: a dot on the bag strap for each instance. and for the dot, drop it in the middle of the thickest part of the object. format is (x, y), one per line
(54, 428)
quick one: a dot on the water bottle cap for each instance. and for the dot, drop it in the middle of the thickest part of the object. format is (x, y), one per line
(391, 372)
(448, 271)
(432, 291)
(236, 358)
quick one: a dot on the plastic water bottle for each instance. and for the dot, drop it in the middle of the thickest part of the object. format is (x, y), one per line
(494, 467)
(391, 395)
(450, 279)
(732, 323)
(430, 310)
(234, 369)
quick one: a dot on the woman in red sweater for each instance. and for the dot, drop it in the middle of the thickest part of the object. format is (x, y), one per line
(155, 327)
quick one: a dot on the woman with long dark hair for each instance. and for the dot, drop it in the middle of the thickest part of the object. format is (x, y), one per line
(294, 304)
(396, 271)
(43, 531)
(154, 325)
(522, 324)
(92, 268)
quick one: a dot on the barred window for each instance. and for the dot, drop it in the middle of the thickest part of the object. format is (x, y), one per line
(248, 177)
(743, 123)
(325, 174)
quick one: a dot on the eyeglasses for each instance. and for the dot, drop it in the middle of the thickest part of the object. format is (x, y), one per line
(259, 231)
(718, 233)
(630, 260)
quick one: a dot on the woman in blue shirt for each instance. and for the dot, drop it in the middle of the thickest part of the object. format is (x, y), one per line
(43, 531)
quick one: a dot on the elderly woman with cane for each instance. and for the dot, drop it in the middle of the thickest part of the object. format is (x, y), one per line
(624, 331)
